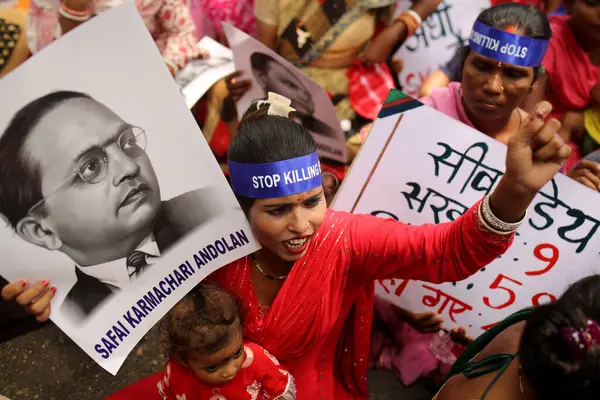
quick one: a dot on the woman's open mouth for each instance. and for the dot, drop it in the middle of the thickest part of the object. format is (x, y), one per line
(297, 245)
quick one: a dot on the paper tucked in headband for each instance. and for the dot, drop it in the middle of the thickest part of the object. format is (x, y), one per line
(507, 47)
(278, 105)
(276, 179)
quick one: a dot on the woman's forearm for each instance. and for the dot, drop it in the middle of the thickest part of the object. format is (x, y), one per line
(67, 24)
(266, 34)
(425, 7)
(398, 29)
(508, 203)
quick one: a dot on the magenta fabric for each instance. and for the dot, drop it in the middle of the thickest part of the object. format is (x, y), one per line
(209, 14)
(449, 101)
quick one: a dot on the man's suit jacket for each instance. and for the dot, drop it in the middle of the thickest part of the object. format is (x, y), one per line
(177, 217)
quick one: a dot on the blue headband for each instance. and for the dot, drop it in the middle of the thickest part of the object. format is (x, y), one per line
(507, 47)
(276, 179)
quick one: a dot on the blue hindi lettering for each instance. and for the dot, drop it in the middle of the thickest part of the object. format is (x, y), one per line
(265, 181)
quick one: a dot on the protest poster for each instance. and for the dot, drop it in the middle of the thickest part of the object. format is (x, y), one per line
(436, 40)
(412, 171)
(269, 72)
(109, 189)
(199, 75)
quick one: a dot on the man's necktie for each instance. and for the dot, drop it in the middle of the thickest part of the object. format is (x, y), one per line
(137, 260)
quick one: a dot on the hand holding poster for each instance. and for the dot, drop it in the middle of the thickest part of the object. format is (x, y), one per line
(556, 245)
(108, 187)
(269, 72)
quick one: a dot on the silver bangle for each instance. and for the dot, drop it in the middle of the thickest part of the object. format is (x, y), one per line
(495, 224)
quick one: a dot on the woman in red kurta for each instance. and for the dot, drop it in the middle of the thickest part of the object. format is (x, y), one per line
(309, 301)
(307, 295)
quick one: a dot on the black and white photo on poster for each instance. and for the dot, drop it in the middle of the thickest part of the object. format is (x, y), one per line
(198, 76)
(269, 72)
(109, 189)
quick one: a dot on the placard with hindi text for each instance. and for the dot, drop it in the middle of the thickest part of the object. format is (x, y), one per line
(420, 166)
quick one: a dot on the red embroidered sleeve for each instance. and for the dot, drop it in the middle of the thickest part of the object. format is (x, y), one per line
(178, 33)
(385, 248)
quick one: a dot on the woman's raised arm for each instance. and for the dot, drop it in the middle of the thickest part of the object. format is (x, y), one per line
(456, 250)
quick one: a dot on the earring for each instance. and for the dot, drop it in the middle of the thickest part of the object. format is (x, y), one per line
(502, 88)
(499, 64)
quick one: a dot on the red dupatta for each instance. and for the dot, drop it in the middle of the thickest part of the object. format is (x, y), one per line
(571, 74)
(327, 299)
(308, 306)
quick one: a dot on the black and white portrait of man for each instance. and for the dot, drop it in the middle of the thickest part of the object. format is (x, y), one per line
(272, 76)
(75, 178)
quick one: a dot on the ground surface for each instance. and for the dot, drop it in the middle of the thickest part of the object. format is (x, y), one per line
(45, 364)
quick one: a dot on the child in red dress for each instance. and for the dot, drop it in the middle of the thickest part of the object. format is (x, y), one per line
(208, 359)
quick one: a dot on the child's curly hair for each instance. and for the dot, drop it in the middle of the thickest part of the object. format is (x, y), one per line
(204, 322)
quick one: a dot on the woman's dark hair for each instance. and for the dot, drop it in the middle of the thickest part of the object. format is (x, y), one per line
(547, 363)
(529, 20)
(263, 138)
(205, 321)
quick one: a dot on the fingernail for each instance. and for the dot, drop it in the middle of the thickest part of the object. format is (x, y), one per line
(53, 289)
(541, 112)
(46, 283)
(559, 138)
(24, 283)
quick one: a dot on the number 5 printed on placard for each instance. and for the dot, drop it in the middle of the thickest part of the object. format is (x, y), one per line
(511, 294)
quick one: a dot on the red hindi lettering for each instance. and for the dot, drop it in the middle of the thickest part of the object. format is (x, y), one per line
(399, 289)
(456, 306)
(382, 283)
(489, 326)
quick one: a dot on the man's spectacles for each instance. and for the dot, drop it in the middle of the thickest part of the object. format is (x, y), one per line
(92, 168)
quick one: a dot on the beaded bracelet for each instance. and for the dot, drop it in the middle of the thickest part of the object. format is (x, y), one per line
(495, 224)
